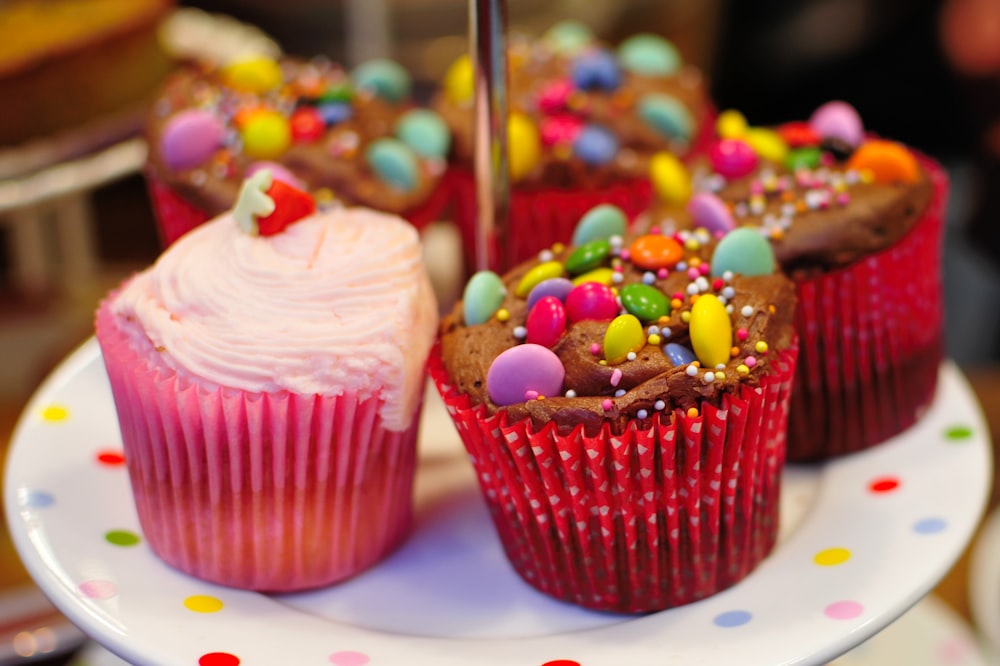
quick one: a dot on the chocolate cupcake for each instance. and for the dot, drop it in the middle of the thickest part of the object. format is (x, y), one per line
(856, 222)
(350, 136)
(624, 403)
(585, 120)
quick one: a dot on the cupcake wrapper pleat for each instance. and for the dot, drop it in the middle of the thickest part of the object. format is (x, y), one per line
(273, 492)
(661, 515)
(870, 342)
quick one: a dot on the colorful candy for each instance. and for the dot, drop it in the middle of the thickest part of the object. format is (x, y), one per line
(568, 37)
(190, 138)
(670, 178)
(596, 70)
(522, 369)
(679, 355)
(732, 158)
(557, 287)
(385, 78)
(655, 251)
(523, 146)
(711, 331)
(667, 115)
(546, 322)
(767, 143)
(458, 82)
(624, 336)
(266, 134)
(425, 132)
(588, 256)
(888, 162)
(538, 274)
(731, 124)
(743, 251)
(710, 212)
(649, 55)
(803, 158)
(256, 75)
(290, 205)
(601, 275)
(600, 223)
(645, 302)
(595, 145)
(306, 125)
(483, 296)
(334, 113)
(394, 163)
(838, 120)
(591, 300)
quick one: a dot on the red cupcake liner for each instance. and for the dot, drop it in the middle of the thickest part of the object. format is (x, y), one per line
(870, 342)
(654, 517)
(175, 216)
(274, 492)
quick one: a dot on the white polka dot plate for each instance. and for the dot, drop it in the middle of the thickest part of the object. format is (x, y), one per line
(862, 539)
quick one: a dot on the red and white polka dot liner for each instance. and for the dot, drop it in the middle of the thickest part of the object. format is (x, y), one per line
(862, 539)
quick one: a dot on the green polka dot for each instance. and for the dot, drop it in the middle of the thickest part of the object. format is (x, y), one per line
(958, 432)
(122, 538)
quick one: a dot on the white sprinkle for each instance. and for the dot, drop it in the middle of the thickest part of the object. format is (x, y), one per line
(691, 370)
(692, 289)
(720, 366)
(648, 278)
(570, 393)
(619, 393)
(616, 241)
(728, 292)
(546, 255)
(702, 283)
(729, 307)
(653, 330)
(642, 413)
(520, 332)
(681, 266)
(747, 310)
(617, 278)
(659, 405)
(727, 276)
(665, 333)
(709, 377)
(631, 356)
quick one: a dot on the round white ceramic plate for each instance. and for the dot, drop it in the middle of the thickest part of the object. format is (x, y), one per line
(863, 539)
(984, 581)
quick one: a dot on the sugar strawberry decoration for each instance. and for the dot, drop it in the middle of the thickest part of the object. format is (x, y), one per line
(266, 206)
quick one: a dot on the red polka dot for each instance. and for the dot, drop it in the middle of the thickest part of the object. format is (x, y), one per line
(562, 662)
(884, 484)
(218, 659)
(111, 458)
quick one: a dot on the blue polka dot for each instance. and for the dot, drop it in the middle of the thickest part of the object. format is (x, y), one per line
(734, 618)
(929, 525)
(36, 499)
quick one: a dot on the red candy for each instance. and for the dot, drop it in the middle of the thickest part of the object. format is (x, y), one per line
(546, 322)
(591, 300)
(306, 125)
(799, 134)
(290, 205)
(560, 129)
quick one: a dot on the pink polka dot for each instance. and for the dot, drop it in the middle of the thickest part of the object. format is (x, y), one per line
(98, 589)
(349, 658)
(843, 610)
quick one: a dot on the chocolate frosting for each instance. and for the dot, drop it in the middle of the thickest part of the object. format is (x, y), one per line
(469, 351)
(533, 64)
(870, 217)
(332, 165)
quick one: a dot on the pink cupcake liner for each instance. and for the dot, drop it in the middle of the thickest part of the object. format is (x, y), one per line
(275, 492)
(870, 342)
(657, 516)
(175, 216)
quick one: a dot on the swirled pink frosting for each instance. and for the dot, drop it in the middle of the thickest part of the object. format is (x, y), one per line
(338, 301)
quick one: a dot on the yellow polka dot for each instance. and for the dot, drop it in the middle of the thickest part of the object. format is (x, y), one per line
(55, 413)
(200, 603)
(831, 557)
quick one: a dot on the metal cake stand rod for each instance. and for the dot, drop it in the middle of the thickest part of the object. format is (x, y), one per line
(488, 47)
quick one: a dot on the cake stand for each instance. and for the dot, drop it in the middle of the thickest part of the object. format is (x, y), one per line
(863, 538)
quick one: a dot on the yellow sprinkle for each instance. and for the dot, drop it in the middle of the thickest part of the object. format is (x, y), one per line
(694, 262)
(503, 314)
(777, 233)
(742, 369)
(867, 176)
(685, 317)
(558, 247)
(602, 362)
(771, 308)
(734, 352)
(675, 303)
(691, 243)
(653, 339)
(324, 195)
(692, 412)
(541, 397)
(761, 347)
(719, 375)
(663, 321)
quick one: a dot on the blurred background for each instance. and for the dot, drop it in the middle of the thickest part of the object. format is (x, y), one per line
(925, 72)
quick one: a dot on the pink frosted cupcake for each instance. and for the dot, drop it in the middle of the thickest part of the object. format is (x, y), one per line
(268, 373)
(355, 136)
(856, 221)
(624, 403)
(586, 118)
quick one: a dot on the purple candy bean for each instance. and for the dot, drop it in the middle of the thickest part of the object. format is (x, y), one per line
(524, 368)
(711, 212)
(558, 287)
(190, 139)
(838, 120)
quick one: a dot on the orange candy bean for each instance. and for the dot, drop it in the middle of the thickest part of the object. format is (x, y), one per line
(655, 251)
(889, 162)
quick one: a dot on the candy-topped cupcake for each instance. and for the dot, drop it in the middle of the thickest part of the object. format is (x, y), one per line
(353, 136)
(585, 120)
(856, 221)
(624, 401)
(268, 372)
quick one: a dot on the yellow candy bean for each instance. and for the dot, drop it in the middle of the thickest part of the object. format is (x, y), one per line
(540, 273)
(524, 145)
(266, 135)
(767, 143)
(458, 81)
(711, 331)
(731, 124)
(670, 177)
(254, 75)
(601, 275)
(624, 335)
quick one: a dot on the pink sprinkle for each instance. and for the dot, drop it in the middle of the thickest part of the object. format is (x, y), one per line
(844, 198)
(619, 268)
(784, 183)
(616, 377)
(693, 273)
(826, 159)
(595, 349)
(625, 255)
(741, 333)
(678, 295)
(756, 187)
(552, 98)
(530, 395)
(662, 273)
(560, 129)
(717, 284)
(606, 405)
(750, 361)
(655, 230)
(704, 268)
